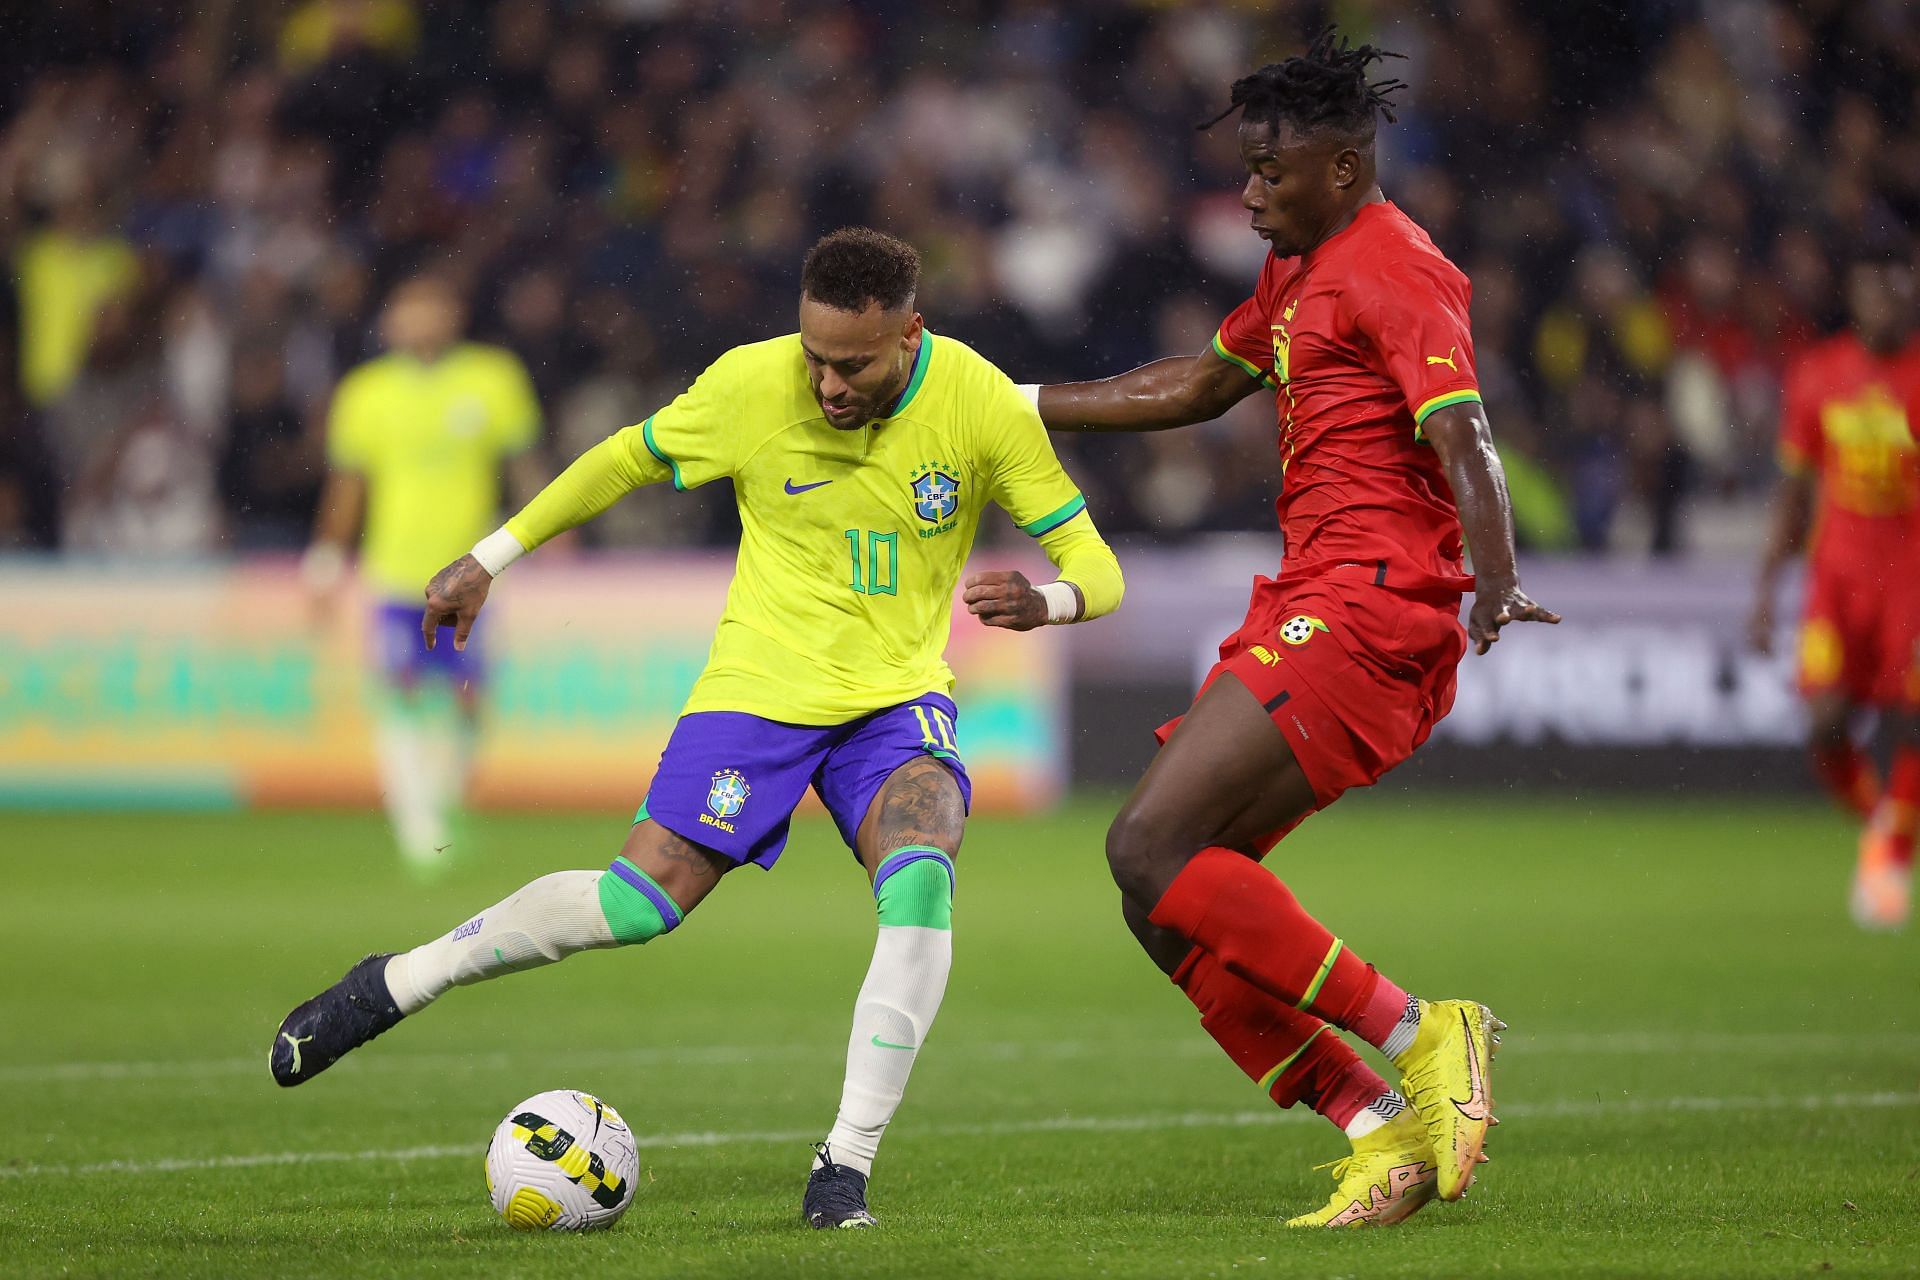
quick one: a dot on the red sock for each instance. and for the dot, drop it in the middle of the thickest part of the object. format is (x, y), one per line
(1848, 776)
(1279, 1047)
(1255, 927)
(1899, 812)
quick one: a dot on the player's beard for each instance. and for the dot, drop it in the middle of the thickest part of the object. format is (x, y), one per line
(870, 406)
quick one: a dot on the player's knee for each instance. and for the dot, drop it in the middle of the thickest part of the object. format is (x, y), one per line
(920, 805)
(1142, 854)
(635, 905)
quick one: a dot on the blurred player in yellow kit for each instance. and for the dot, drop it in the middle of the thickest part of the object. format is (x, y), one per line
(416, 441)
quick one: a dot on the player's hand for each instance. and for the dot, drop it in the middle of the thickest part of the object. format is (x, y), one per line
(1494, 609)
(454, 598)
(1760, 628)
(1004, 598)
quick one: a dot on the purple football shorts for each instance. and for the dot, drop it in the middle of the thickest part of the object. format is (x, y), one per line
(729, 781)
(402, 656)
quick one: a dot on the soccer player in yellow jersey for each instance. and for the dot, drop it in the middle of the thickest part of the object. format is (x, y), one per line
(862, 451)
(416, 441)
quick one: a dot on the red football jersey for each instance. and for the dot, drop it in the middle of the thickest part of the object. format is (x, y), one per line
(1848, 418)
(1362, 338)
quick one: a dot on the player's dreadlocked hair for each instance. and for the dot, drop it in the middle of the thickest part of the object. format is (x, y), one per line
(1325, 88)
(854, 267)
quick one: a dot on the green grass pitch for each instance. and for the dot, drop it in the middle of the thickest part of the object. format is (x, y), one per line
(1710, 1072)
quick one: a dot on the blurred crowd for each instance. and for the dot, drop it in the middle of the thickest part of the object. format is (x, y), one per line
(204, 202)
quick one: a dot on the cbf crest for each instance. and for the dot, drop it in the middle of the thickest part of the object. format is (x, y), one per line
(936, 493)
(729, 793)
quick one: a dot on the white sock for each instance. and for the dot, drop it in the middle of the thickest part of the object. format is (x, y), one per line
(891, 1017)
(549, 919)
(1376, 1114)
(412, 784)
(1400, 1039)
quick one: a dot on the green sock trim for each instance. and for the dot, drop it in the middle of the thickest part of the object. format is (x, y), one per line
(1267, 1080)
(913, 888)
(632, 913)
(1320, 978)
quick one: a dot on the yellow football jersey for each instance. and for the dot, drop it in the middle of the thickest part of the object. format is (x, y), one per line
(430, 439)
(851, 541)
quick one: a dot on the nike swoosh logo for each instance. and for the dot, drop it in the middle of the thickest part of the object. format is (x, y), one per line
(802, 488)
(882, 1044)
(1474, 1107)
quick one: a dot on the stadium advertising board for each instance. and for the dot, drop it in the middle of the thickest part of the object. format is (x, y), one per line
(216, 686)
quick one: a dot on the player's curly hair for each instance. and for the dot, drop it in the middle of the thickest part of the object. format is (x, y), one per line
(855, 267)
(1324, 89)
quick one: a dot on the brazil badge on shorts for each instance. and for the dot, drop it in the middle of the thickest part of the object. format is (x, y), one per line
(727, 797)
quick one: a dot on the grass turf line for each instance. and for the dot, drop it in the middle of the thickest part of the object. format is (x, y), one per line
(1643, 954)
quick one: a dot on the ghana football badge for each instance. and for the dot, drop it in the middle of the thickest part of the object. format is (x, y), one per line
(936, 495)
(1299, 629)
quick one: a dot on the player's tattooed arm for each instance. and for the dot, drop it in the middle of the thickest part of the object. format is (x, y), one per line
(1464, 442)
(454, 598)
(1004, 598)
(1173, 392)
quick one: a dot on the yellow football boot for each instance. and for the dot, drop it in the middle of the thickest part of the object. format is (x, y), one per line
(1448, 1078)
(1390, 1174)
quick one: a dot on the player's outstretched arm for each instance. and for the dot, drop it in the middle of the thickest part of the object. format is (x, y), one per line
(597, 479)
(1174, 392)
(335, 530)
(1792, 515)
(1463, 440)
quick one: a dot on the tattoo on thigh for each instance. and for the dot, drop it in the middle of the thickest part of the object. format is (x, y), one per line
(703, 862)
(921, 805)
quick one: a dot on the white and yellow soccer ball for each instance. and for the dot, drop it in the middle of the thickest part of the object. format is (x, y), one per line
(562, 1161)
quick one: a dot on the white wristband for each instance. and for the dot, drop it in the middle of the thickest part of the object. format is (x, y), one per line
(1031, 390)
(497, 550)
(1063, 604)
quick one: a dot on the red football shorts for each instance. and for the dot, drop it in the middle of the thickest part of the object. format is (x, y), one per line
(1860, 638)
(1354, 675)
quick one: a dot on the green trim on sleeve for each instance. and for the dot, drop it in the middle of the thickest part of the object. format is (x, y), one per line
(646, 434)
(1054, 519)
(1252, 370)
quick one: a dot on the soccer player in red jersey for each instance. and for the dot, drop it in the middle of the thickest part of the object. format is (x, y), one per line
(1852, 476)
(1347, 658)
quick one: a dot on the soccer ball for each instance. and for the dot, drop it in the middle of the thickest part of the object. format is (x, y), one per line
(562, 1161)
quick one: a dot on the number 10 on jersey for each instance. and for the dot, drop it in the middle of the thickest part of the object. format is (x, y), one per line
(880, 573)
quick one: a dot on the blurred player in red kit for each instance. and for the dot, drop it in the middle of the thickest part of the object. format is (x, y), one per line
(1852, 479)
(1347, 658)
